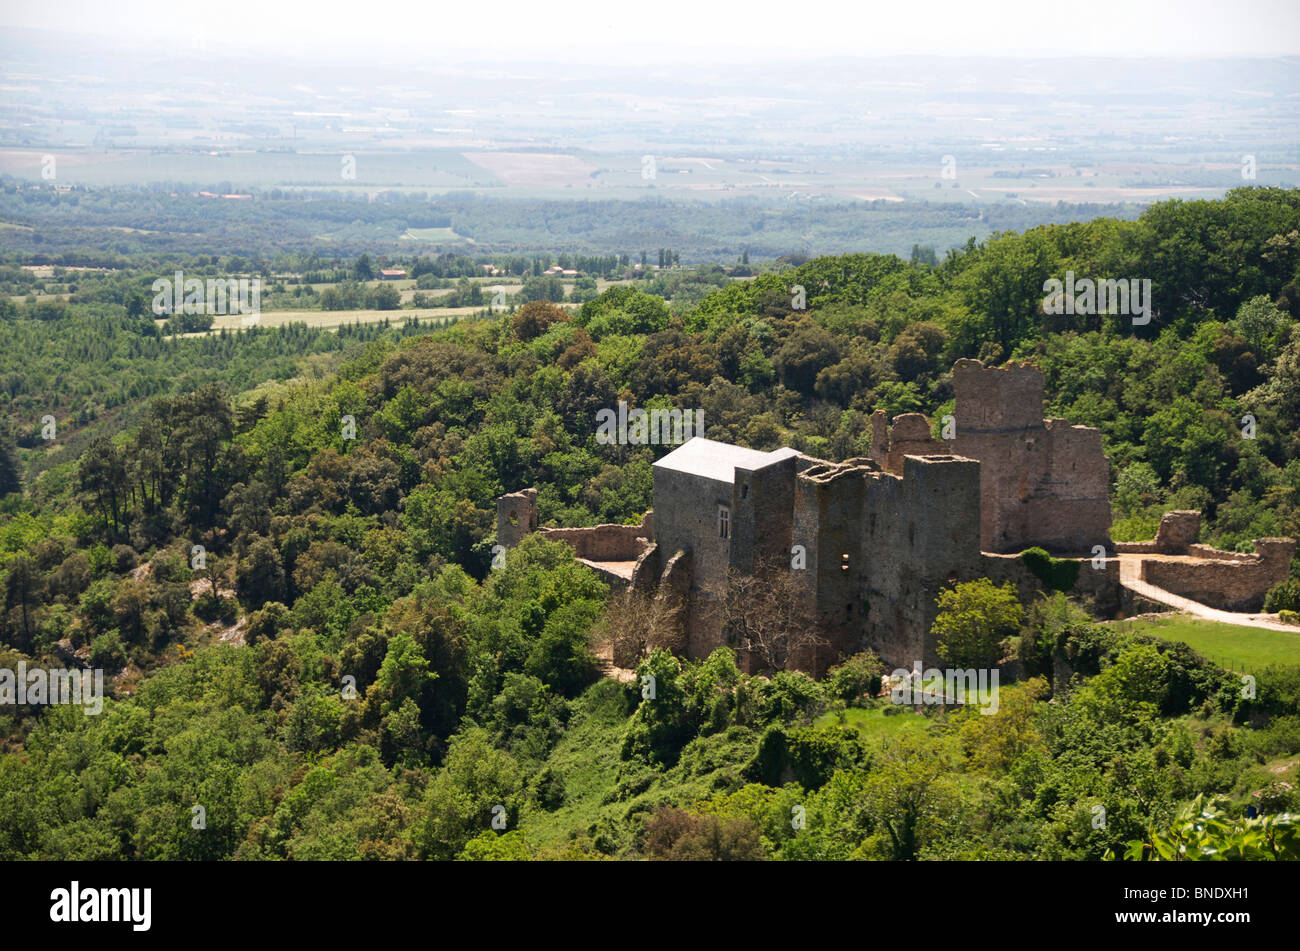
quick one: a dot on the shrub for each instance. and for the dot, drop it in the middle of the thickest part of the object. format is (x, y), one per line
(1056, 574)
(787, 695)
(770, 761)
(1278, 695)
(1283, 596)
(267, 623)
(815, 753)
(681, 836)
(210, 609)
(1045, 621)
(858, 675)
(124, 558)
(106, 651)
(1085, 645)
(548, 789)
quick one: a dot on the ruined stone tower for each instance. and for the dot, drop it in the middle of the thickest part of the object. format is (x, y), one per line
(1042, 481)
(516, 516)
(909, 436)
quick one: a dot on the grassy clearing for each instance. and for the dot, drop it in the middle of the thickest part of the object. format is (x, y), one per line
(874, 724)
(1230, 645)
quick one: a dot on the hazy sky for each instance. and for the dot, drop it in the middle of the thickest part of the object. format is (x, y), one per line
(686, 29)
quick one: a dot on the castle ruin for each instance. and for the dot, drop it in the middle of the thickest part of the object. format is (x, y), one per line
(1043, 482)
(872, 541)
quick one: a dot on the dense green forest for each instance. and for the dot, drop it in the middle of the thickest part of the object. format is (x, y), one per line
(173, 218)
(278, 545)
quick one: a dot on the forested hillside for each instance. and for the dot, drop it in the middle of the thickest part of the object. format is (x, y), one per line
(278, 545)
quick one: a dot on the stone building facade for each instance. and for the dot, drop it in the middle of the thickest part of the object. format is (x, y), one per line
(869, 548)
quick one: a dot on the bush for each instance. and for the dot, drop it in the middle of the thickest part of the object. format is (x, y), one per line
(1277, 695)
(770, 761)
(858, 675)
(1084, 646)
(548, 789)
(210, 609)
(1283, 596)
(106, 652)
(1046, 620)
(680, 836)
(1289, 617)
(124, 558)
(815, 754)
(1056, 574)
(267, 623)
(787, 695)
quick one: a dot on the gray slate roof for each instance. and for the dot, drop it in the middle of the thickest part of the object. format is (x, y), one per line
(718, 460)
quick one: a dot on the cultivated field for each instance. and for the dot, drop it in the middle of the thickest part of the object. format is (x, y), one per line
(337, 318)
(534, 169)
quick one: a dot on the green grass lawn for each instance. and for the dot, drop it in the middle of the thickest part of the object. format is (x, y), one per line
(874, 725)
(1229, 645)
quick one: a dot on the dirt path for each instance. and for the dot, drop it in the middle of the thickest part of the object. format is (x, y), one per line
(1130, 567)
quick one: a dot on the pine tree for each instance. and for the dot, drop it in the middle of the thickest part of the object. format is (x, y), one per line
(11, 478)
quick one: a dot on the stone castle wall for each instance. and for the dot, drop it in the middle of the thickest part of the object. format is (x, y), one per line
(1043, 482)
(828, 515)
(1228, 580)
(1099, 585)
(1237, 584)
(908, 436)
(516, 516)
(922, 534)
(1178, 530)
(606, 542)
(686, 520)
(762, 526)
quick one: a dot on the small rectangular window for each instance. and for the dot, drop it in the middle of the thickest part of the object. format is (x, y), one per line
(724, 522)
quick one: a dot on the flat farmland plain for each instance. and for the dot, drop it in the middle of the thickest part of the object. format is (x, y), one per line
(534, 169)
(332, 319)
